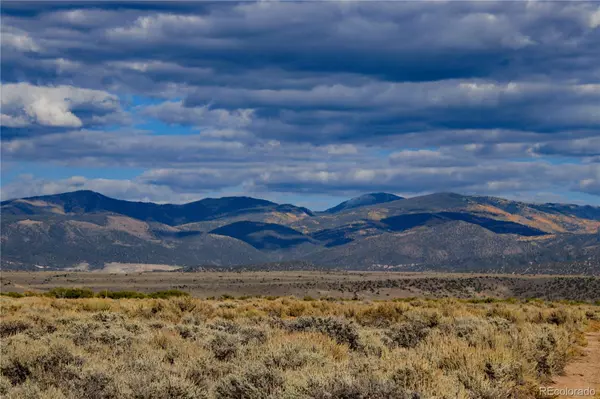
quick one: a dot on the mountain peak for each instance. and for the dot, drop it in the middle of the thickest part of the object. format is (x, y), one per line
(364, 200)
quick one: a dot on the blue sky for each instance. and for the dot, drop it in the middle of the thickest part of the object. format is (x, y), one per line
(302, 102)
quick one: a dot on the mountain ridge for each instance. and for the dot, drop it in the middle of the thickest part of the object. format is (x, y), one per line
(441, 231)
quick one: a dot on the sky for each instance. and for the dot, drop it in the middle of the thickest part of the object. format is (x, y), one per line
(301, 102)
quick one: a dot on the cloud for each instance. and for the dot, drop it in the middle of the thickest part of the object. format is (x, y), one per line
(498, 178)
(29, 186)
(200, 179)
(25, 105)
(330, 113)
(586, 147)
(411, 97)
(202, 116)
(17, 39)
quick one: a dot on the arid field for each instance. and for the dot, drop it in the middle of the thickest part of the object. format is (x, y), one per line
(185, 347)
(318, 284)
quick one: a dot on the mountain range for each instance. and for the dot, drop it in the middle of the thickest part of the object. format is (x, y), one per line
(377, 231)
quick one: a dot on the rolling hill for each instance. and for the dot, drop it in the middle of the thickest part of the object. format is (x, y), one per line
(443, 231)
(363, 200)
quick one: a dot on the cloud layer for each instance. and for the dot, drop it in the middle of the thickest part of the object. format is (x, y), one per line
(328, 99)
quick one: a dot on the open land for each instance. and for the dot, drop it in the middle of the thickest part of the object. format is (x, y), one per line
(297, 335)
(358, 285)
(261, 348)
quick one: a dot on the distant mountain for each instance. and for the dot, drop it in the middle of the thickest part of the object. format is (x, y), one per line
(82, 202)
(96, 240)
(363, 200)
(448, 244)
(442, 231)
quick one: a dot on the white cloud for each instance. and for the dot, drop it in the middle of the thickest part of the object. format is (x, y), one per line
(594, 20)
(341, 149)
(24, 104)
(201, 116)
(18, 40)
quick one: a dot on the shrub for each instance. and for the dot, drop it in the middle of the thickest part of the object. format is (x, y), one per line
(70, 293)
(557, 317)
(51, 365)
(187, 331)
(292, 357)
(96, 305)
(12, 294)
(550, 352)
(252, 335)
(5, 385)
(15, 370)
(108, 317)
(369, 387)
(171, 387)
(342, 331)
(256, 383)
(121, 294)
(406, 334)
(224, 346)
(168, 294)
(411, 376)
(227, 326)
(96, 385)
(12, 327)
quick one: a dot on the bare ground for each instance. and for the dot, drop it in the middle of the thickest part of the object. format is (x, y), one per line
(583, 372)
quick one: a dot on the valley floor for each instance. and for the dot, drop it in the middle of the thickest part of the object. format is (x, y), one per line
(360, 285)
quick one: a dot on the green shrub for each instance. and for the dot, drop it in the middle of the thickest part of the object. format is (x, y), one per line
(121, 294)
(168, 294)
(70, 293)
(12, 294)
(484, 300)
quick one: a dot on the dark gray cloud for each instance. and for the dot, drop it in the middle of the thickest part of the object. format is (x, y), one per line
(584, 147)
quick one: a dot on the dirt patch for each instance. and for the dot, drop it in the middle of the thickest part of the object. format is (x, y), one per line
(84, 225)
(32, 225)
(54, 208)
(130, 226)
(115, 267)
(29, 222)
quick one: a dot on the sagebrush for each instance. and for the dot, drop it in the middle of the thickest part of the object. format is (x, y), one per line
(184, 347)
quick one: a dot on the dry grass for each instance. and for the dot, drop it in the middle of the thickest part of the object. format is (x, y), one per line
(283, 348)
